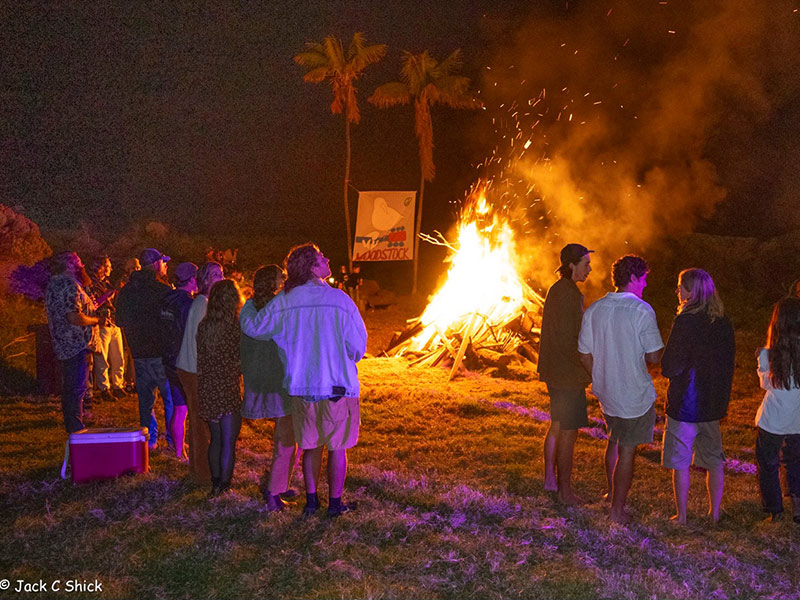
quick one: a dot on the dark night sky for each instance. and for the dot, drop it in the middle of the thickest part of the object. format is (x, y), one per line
(197, 116)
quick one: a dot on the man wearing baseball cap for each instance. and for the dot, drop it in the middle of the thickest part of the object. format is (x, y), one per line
(139, 314)
(560, 368)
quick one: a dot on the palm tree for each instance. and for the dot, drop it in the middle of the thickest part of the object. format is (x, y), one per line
(428, 83)
(327, 61)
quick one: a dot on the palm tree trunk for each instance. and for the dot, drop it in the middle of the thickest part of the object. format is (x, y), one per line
(416, 234)
(347, 189)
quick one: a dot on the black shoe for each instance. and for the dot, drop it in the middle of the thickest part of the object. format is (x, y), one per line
(311, 508)
(342, 508)
(289, 495)
(276, 504)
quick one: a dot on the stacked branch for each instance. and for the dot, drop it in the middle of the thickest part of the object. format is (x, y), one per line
(479, 338)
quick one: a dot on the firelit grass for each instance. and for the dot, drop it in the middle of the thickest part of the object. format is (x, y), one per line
(448, 481)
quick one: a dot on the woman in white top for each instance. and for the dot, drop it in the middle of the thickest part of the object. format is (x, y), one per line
(778, 417)
(199, 437)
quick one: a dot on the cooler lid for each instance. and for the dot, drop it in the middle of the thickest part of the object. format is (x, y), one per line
(108, 436)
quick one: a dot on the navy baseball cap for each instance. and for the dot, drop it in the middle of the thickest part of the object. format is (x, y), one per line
(150, 256)
(573, 253)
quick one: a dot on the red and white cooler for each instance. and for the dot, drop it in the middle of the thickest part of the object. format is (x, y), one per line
(106, 453)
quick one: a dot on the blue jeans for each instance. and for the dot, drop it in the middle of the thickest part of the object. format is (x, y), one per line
(149, 376)
(771, 450)
(74, 383)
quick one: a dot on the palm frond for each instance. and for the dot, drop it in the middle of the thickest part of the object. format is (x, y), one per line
(416, 70)
(311, 58)
(453, 91)
(334, 53)
(390, 94)
(317, 75)
(356, 44)
(368, 55)
(451, 64)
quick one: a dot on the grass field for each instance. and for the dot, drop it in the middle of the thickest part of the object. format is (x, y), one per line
(451, 505)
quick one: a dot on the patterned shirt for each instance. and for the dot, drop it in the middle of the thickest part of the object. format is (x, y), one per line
(64, 296)
(99, 288)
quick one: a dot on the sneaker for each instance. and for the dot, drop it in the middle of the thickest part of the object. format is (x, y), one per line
(290, 494)
(341, 509)
(119, 393)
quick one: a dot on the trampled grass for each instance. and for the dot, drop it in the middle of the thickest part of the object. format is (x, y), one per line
(451, 505)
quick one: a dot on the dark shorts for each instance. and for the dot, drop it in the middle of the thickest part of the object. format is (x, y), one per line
(568, 407)
(631, 432)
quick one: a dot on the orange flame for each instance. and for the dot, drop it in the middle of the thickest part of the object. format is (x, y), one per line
(482, 280)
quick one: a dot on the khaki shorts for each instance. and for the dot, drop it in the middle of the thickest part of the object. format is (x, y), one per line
(326, 423)
(682, 440)
(632, 432)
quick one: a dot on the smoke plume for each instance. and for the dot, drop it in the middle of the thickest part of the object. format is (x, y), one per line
(608, 115)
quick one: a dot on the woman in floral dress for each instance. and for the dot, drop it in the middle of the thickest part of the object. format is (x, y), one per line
(219, 373)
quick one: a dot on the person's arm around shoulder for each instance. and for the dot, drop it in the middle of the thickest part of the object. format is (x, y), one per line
(257, 324)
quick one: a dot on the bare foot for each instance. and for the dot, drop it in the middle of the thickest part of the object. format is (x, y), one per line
(570, 499)
(622, 517)
(713, 518)
(550, 485)
(677, 520)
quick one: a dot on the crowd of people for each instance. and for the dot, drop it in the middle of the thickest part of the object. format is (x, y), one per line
(289, 354)
(610, 345)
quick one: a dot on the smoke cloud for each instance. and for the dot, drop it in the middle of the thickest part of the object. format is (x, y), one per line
(610, 117)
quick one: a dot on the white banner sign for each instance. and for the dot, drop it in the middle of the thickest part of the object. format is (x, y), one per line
(385, 226)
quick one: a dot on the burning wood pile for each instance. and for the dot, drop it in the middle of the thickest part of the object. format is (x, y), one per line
(485, 315)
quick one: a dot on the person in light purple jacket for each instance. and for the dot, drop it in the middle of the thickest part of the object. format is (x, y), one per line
(320, 337)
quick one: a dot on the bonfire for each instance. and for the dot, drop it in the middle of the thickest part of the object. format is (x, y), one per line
(484, 309)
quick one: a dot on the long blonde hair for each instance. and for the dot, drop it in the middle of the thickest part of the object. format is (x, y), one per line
(703, 297)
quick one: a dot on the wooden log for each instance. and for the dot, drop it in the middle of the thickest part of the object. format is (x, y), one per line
(463, 348)
(423, 358)
(445, 341)
(404, 336)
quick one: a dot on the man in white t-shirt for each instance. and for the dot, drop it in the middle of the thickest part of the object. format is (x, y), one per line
(619, 336)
